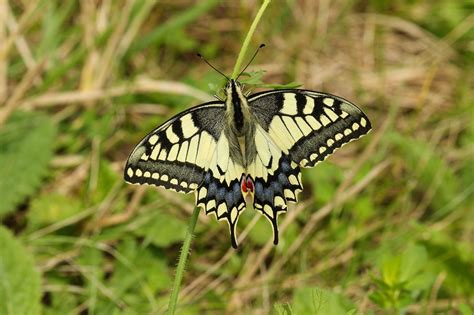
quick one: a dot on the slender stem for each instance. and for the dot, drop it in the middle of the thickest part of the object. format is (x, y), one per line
(245, 45)
(192, 223)
(182, 262)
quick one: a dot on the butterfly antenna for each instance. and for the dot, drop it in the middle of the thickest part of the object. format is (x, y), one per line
(253, 57)
(209, 64)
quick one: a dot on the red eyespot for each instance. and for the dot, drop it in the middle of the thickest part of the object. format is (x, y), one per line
(249, 184)
(243, 184)
(246, 183)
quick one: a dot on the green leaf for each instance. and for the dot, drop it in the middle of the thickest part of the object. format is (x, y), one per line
(179, 21)
(314, 300)
(413, 261)
(276, 86)
(26, 148)
(51, 208)
(255, 78)
(20, 282)
(162, 230)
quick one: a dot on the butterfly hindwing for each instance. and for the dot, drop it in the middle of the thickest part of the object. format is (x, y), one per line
(308, 125)
(220, 191)
(190, 153)
(277, 179)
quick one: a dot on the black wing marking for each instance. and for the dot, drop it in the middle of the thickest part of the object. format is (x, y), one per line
(308, 125)
(176, 154)
(277, 179)
(190, 152)
(296, 128)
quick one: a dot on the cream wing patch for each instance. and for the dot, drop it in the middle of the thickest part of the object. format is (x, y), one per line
(307, 125)
(177, 154)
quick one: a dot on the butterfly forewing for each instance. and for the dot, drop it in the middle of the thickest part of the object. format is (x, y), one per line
(175, 155)
(307, 125)
(190, 153)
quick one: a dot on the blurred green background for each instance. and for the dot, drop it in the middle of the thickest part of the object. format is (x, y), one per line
(384, 226)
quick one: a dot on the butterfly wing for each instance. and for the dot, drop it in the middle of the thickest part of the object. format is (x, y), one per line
(297, 128)
(190, 153)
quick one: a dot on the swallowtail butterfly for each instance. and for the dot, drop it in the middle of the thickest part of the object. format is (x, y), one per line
(246, 150)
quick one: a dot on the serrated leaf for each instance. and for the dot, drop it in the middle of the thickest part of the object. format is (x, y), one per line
(314, 300)
(19, 280)
(26, 148)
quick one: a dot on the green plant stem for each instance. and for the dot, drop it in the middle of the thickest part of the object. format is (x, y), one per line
(245, 45)
(182, 262)
(192, 223)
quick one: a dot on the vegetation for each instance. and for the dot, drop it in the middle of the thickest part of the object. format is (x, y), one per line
(384, 226)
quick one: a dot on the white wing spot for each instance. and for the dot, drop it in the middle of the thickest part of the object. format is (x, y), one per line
(193, 149)
(289, 194)
(183, 151)
(295, 132)
(328, 101)
(347, 132)
(268, 211)
(153, 139)
(363, 122)
(303, 125)
(313, 156)
(309, 107)
(130, 172)
(173, 153)
(174, 181)
(202, 193)
(322, 149)
(147, 174)
(233, 214)
(162, 155)
(289, 104)
(187, 126)
(172, 137)
(139, 172)
(324, 120)
(355, 126)
(313, 122)
(293, 180)
(332, 115)
(221, 209)
(211, 204)
(164, 178)
(156, 150)
(344, 114)
(280, 202)
(155, 176)
(338, 136)
(330, 142)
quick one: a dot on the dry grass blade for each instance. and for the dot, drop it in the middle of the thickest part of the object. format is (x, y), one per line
(20, 91)
(140, 86)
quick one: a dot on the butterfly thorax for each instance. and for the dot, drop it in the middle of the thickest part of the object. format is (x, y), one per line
(240, 126)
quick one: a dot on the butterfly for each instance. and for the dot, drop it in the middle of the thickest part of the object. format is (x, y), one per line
(245, 150)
